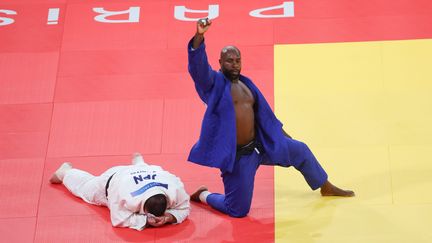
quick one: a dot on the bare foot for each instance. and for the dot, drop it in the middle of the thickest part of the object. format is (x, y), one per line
(195, 196)
(59, 174)
(329, 189)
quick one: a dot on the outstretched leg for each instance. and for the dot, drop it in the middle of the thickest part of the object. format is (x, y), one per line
(88, 187)
(82, 184)
(302, 158)
(137, 159)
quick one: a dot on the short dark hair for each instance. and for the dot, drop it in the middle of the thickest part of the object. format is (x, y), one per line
(156, 205)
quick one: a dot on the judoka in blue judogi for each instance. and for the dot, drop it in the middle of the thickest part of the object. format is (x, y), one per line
(240, 132)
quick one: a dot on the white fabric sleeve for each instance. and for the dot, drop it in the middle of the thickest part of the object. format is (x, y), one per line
(181, 208)
(121, 217)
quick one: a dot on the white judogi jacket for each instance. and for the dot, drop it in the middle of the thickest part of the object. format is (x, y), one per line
(131, 186)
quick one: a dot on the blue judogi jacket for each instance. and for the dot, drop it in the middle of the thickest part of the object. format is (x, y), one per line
(217, 143)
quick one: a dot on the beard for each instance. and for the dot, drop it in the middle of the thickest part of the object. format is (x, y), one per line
(232, 75)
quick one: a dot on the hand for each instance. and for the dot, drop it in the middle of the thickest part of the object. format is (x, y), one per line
(203, 25)
(155, 221)
(160, 221)
(170, 218)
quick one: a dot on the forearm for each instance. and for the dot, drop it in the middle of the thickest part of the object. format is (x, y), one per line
(133, 221)
(171, 219)
(202, 26)
(179, 214)
(182, 207)
(198, 66)
(197, 40)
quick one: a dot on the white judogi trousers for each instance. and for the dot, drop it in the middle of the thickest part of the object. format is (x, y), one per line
(89, 187)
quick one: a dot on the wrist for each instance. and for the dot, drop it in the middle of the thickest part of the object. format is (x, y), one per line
(199, 35)
(197, 40)
(171, 219)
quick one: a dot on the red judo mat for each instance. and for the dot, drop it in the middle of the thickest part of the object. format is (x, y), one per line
(91, 82)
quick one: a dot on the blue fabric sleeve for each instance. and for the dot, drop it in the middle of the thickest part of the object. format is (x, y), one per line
(200, 70)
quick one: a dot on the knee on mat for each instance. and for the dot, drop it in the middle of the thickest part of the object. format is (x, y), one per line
(238, 213)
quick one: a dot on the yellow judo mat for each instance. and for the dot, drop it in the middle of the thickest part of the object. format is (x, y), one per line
(365, 110)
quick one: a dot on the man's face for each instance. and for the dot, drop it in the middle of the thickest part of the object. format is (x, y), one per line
(230, 62)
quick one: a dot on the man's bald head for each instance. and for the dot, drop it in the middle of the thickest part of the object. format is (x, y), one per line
(229, 49)
(230, 62)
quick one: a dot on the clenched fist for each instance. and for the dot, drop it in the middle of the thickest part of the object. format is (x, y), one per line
(203, 25)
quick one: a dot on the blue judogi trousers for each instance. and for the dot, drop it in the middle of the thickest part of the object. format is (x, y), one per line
(239, 184)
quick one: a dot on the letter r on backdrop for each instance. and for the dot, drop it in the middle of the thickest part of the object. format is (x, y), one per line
(180, 12)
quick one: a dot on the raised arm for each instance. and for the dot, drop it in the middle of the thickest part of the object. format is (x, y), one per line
(202, 26)
(199, 68)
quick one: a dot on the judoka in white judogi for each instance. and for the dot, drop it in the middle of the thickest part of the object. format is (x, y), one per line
(125, 190)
